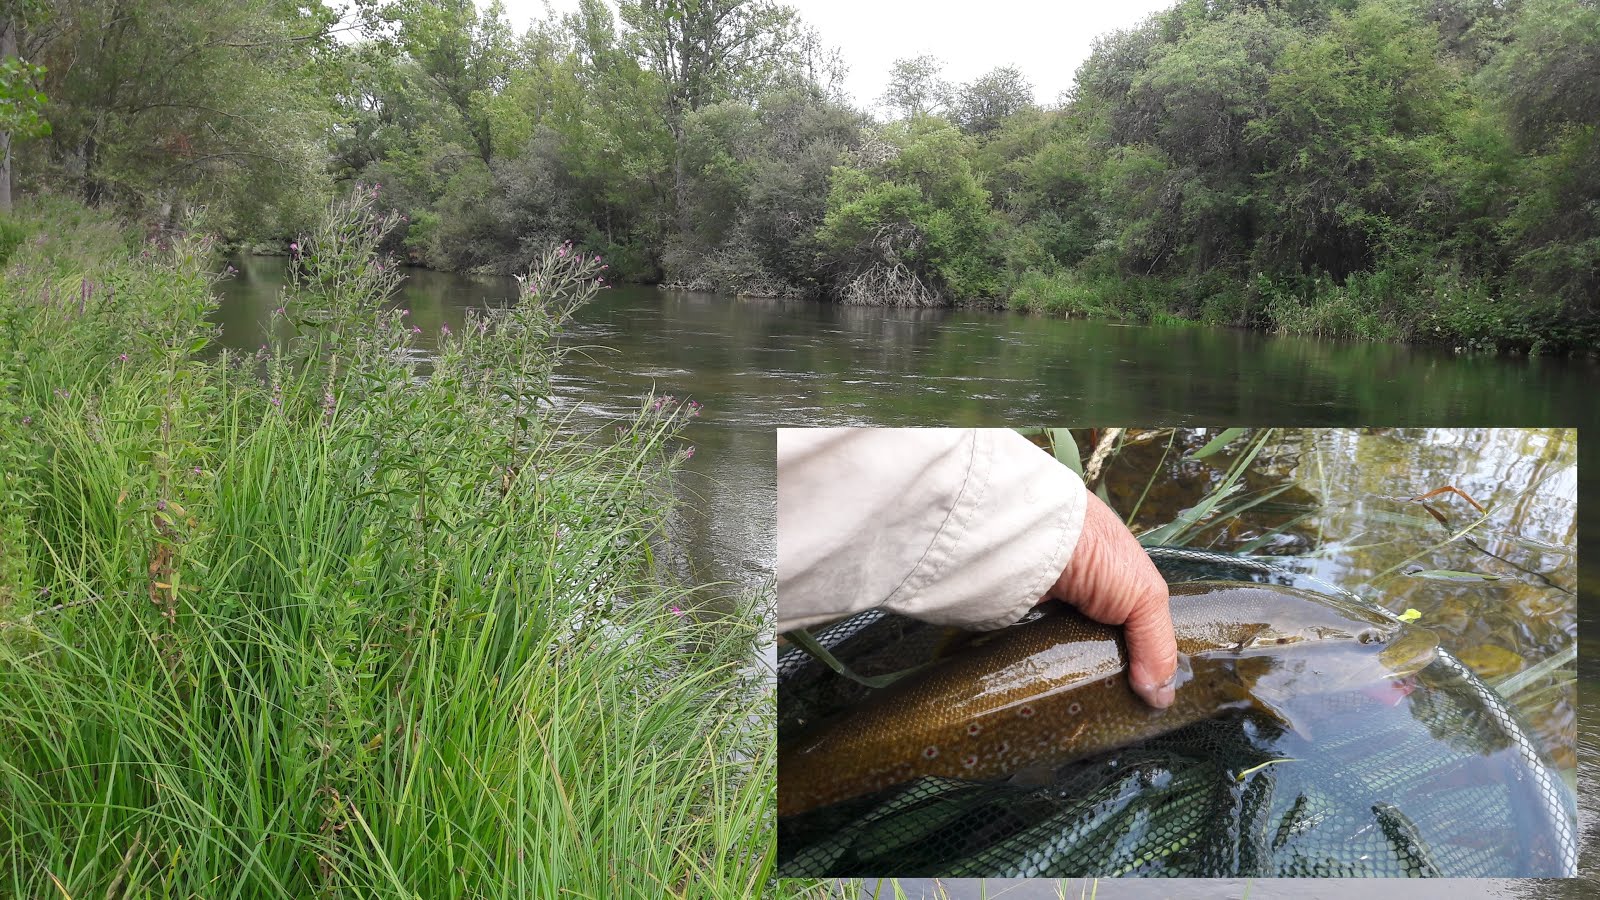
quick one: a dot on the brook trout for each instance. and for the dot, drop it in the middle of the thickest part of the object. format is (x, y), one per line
(1055, 689)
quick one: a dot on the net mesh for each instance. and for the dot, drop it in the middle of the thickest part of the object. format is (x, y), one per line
(1442, 782)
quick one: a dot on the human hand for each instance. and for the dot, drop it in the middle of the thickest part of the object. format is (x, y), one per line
(1111, 580)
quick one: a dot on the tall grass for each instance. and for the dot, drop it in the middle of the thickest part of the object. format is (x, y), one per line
(308, 623)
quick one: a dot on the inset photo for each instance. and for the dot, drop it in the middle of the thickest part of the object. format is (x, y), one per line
(1180, 652)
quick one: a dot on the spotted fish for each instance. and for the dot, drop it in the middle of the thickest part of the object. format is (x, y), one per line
(1055, 689)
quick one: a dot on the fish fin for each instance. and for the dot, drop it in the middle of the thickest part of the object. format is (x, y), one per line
(1270, 708)
(1036, 775)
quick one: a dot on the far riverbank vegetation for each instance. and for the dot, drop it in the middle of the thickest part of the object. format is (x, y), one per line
(1380, 169)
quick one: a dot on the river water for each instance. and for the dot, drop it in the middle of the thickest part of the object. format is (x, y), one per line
(756, 364)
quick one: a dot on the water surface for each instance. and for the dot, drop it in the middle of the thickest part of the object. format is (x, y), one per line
(756, 364)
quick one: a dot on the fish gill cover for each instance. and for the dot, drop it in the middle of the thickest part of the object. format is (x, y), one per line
(1282, 762)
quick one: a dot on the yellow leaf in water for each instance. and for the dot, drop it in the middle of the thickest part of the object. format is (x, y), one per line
(1490, 661)
(1410, 615)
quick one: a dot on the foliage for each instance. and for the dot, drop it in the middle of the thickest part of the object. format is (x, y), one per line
(909, 200)
(157, 106)
(305, 623)
(982, 104)
(916, 88)
(1371, 168)
(21, 105)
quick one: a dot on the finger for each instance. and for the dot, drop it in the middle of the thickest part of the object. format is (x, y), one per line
(1152, 648)
(1112, 580)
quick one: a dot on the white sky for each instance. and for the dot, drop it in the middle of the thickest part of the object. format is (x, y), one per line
(1047, 41)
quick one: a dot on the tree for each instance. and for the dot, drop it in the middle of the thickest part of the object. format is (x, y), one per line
(465, 54)
(983, 103)
(1547, 85)
(915, 88)
(156, 103)
(21, 107)
(908, 222)
(703, 51)
(21, 103)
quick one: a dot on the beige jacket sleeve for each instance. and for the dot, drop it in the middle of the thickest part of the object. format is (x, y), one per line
(965, 527)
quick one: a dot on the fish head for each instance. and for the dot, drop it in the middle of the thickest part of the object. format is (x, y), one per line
(1288, 643)
(1270, 620)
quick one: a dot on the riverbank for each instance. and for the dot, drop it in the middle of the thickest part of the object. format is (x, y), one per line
(1439, 309)
(299, 621)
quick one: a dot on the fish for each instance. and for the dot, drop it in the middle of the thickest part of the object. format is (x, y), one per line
(1055, 689)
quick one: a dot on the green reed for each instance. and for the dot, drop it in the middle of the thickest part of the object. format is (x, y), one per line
(308, 623)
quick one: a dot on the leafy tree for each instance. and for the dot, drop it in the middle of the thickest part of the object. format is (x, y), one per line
(982, 104)
(161, 103)
(908, 220)
(916, 88)
(465, 54)
(21, 107)
(1548, 88)
(1358, 114)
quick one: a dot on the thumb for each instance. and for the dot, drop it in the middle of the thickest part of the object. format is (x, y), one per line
(1111, 580)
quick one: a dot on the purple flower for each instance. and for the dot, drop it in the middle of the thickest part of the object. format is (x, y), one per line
(197, 470)
(688, 453)
(405, 312)
(232, 270)
(161, 505)
(278, 312)
(27, 420)
(276, 400)
(294, 246)
(122, 358)
(444, 329)
(415, 330)
(677, 611)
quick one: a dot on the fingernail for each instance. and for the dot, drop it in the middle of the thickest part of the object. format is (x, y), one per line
(1163, 696)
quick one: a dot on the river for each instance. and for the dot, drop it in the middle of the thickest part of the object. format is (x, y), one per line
(756, 364)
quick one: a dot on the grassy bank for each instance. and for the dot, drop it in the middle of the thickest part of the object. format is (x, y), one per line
(1396, 304)
(304, 623)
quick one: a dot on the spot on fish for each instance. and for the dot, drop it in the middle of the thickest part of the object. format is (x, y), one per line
(1026, 711)
(970, 760)
(974, 728)
(1005, 747)
(1109, 682)
(1074, 709)
(930, 752)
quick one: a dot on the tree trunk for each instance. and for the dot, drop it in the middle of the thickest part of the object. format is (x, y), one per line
(8, 50)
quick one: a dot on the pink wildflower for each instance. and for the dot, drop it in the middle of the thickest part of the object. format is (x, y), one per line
(678, 611)
(122, 358)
